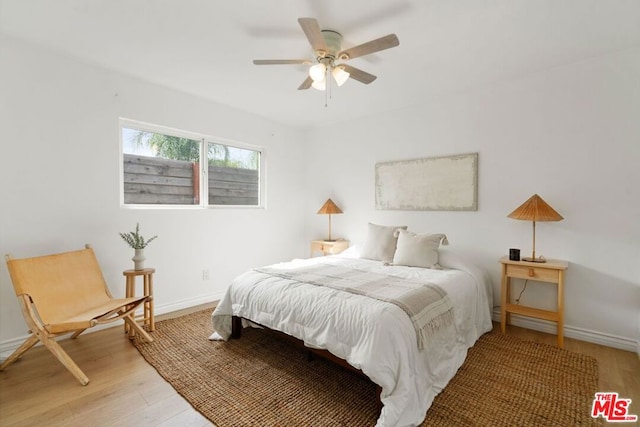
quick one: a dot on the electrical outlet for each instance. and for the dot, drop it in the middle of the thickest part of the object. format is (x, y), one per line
(205, 274)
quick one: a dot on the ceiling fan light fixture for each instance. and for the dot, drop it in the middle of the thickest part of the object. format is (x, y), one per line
(319, 84)
(340, 75)
(327, 47)
(317, 72)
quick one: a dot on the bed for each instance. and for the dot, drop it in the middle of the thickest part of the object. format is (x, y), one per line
(375, 336)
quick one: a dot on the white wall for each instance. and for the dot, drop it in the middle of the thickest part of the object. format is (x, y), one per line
(570, 134)
(59, 174)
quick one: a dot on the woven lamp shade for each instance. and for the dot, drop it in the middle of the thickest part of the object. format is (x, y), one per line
(329, 208)
(535, 209)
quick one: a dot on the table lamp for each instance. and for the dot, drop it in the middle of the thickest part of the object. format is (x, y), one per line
(535, 209)
(329, 208)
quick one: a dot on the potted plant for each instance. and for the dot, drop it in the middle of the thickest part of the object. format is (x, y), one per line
(138, 243)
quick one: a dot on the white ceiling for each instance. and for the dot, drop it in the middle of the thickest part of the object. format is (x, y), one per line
(206, 47)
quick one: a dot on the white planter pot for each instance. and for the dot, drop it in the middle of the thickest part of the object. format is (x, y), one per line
(138, 259)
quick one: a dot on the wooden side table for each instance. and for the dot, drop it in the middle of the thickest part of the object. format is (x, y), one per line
(329, 247)
(147, 276)
(551, 271)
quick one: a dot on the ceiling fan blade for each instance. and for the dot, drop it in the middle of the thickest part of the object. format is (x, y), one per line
(372, 46)
(358, 74)
(281, 61)
(312, 31)
(306, 84)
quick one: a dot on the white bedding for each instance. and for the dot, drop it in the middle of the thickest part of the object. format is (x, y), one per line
(374, 336)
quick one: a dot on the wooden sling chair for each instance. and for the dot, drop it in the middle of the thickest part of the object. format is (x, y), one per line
(66, 293)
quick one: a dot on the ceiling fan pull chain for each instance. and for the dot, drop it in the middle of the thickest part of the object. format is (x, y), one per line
(327, 86)
(329, 79)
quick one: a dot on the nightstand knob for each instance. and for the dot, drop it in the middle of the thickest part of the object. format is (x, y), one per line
(531, 272)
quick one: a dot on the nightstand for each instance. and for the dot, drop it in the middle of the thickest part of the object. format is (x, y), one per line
(551, 271)
(329, 247)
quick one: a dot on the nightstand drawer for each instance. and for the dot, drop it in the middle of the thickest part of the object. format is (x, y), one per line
(329, 247)
(533, 273)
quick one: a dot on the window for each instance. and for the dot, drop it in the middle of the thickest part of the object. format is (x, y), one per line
(233, 175)
(162, 167)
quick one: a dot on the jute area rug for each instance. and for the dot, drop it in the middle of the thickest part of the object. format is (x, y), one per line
(263, 380)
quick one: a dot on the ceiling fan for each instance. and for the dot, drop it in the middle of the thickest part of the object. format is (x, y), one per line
(330, 58)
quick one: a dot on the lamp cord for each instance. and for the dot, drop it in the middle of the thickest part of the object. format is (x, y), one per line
(522, 291)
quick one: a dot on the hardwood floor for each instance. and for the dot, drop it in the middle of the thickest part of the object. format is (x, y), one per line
(125, 390)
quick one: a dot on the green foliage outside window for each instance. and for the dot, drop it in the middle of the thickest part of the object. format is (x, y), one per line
(176, 148)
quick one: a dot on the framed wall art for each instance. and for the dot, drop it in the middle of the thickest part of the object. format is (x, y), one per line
(447, 183)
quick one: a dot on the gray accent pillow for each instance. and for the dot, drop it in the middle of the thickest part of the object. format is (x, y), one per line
(380, 244)
(418, 250)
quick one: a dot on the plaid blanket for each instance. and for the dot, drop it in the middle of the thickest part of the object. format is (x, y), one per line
(426, 304)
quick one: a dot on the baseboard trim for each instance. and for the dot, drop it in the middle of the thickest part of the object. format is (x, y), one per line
(7, 347)
(581, 334)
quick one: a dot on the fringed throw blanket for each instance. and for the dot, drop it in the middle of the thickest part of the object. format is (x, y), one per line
(426, 304)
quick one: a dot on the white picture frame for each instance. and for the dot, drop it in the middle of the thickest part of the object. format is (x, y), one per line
(448, 183)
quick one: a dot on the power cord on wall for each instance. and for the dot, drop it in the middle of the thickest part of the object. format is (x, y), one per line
(522, 291)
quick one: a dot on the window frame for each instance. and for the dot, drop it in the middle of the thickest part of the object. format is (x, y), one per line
(204, 140)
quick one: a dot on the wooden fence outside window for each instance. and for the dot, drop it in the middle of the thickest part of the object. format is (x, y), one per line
(152, 180)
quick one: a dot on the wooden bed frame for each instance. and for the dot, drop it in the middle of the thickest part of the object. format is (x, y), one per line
(236, 332)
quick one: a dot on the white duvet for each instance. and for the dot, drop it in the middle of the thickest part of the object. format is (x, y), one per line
(374, 336)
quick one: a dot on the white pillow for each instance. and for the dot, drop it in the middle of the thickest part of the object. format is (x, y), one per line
(418, 250)
(380, 244)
